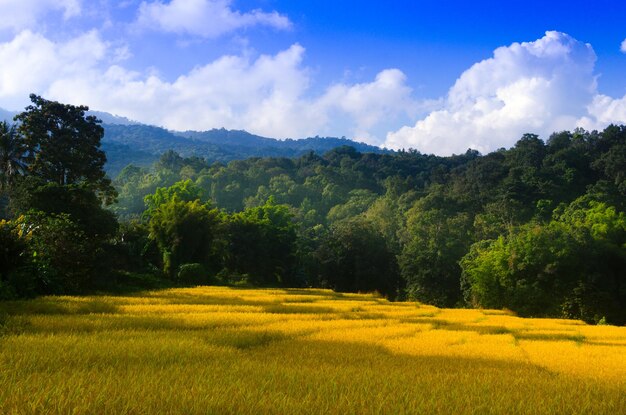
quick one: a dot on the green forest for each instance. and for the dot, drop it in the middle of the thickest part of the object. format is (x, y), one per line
(538, 229)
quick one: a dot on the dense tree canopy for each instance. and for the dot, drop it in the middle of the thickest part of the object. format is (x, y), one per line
(354, 257)
(572, 265)
(489, 231)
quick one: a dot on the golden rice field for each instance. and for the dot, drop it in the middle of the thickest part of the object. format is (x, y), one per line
(216, 350)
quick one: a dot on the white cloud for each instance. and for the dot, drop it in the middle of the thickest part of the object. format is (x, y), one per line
(267, 95)
(604, 110)
(32, 63)
(206, 18)
(18, 15)
(537, 87)
(623, 46)
(370, 105)
(262, 95)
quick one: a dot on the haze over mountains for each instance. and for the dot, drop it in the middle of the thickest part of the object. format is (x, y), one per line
(7, 115)
(126, 141)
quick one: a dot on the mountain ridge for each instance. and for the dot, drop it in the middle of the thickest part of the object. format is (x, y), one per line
(130, 142)
(6, 115)
(147, 143)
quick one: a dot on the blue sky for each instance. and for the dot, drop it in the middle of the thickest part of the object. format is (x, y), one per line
(439, 76)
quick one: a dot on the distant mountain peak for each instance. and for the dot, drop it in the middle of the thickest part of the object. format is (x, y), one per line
(6, 115)
(108, 118)
(105, 117)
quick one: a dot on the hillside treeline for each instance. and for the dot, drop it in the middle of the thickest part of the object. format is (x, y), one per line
(142, 145)
(539, 228)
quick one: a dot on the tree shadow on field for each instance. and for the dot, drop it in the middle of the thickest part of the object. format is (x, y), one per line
(95, 313)
(59, 306)
(312, 352)
(308, 296)
(370, 375)
(268, 373)
(525, 334)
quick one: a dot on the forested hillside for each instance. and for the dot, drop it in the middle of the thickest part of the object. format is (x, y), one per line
(538, 228)
(126, 141)
(142, 144)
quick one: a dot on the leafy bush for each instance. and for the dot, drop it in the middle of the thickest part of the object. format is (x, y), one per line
(64, 258)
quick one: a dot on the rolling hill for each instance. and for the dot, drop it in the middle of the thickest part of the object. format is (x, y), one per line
(130, 142)
(142, 144)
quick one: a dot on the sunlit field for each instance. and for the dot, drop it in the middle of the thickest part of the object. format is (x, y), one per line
(225, 350)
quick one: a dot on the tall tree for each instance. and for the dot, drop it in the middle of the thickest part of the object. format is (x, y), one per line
(63, 145)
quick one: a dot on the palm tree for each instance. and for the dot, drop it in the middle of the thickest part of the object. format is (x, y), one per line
(12, 155)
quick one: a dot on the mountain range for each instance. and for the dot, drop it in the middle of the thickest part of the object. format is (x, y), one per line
(126, 141)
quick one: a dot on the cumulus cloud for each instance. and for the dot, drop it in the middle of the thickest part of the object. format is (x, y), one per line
(623, 46)
(267, 95)
(370, 104)
(262, 95)
(33, 63)
(18, 15)
(537, 87)
(604, 110)
(205, 18)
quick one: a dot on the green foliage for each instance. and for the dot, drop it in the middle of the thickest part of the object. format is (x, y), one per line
(184, 233)
(387, 217)
(134, 184)
(12, 155)
(55, 186)
(262, 244)
(63, 145)
(78, 201)
(612, 161)
(64, 259)
(538, 228)
(435, 241)
(359, 200)
(573, 266)
(588, 217)
(13, 251)
(132, 251)
(142, 144)
(600, 232)
(450, 224)
(354, 257)
(185, 191)
(528, 271)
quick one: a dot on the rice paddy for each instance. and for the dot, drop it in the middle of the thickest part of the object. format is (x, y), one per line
(216, 350)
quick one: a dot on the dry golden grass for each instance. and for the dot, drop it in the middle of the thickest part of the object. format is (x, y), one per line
(225, 350)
